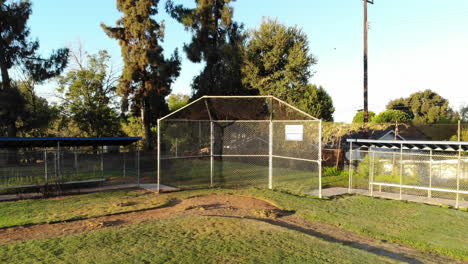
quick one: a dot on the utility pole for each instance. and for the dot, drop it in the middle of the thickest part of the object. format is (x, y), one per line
(366, 27)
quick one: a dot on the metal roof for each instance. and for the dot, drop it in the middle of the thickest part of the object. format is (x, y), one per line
(21, 142)
(412, 144)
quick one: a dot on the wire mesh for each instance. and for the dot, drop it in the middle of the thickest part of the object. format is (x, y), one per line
(426, 173)
(57, 169)
(239, 141)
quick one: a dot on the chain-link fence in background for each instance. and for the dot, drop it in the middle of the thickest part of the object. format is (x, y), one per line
(54, 171)
(240, 141)
(429, 169)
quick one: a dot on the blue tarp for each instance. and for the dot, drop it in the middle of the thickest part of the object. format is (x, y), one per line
(20, 142)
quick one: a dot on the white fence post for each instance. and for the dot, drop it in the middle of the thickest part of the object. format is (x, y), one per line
(350, 176)
(371, 172)
(158, 151)
(320, 158)
(429, 192)
(270, 156)
(401, 171)
(458, 175)
(211, 152)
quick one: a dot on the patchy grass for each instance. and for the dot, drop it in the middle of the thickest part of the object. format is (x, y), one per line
(188, 240)
(74, 207)
(425, 227)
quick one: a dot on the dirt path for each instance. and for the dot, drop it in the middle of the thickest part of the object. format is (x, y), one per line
(232, 206)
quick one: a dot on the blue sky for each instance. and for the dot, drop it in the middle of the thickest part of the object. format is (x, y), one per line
(413, 45)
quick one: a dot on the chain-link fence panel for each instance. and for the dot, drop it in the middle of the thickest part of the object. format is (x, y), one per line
(360, 166)
(22, 167)
(409, 173)
(51, 171)
(296, 176)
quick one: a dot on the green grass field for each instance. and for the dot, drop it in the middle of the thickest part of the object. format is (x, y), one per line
(427, 228)
(188, 240)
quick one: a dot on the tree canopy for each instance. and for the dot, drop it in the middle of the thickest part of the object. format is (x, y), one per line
(463, 113)
(425, 107)
(18, 50)
(278, 61)
(359, 117)
(88, 96)
(317, 102)
(392, 116)
(177, 101)
(147, 75)
(218, 42)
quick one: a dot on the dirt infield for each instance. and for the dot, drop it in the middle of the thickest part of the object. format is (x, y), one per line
(232, 206)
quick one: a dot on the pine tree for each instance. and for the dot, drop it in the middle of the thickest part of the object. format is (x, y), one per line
(147, 75)
(17, 50)
(217, 41)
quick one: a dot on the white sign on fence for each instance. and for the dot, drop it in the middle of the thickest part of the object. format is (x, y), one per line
(294, 132)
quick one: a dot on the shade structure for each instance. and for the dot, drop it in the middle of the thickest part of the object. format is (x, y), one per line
(411, 144)
(34, 142)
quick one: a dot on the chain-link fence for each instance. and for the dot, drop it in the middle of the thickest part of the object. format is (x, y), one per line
(55, 170)
(240, 141)
(399, 170)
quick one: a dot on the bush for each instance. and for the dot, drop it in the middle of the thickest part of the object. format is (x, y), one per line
(392, 116)
(359, 117)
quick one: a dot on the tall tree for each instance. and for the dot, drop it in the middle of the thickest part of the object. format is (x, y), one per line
(88, 95)
(218, 42)
(277, 61)
(147, 75)
(425, 107)
(17, 50)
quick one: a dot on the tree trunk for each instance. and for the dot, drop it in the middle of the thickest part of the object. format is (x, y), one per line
(11, 132)
(145, 116)
(4, 72)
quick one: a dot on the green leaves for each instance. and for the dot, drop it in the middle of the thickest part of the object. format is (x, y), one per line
(18, 50)
(392, 116)
(147, 74)
(425, 107)
(217, 41)
(88, 96)
(277, 62)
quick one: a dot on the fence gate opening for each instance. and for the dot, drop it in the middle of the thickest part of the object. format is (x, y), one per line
(234, 141)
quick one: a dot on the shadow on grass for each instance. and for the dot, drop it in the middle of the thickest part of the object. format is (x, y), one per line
(354, 244)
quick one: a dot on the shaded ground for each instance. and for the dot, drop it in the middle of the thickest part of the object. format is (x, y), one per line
(229, 206)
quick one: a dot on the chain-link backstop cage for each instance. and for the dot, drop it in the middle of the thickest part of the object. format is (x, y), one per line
(234, 141)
